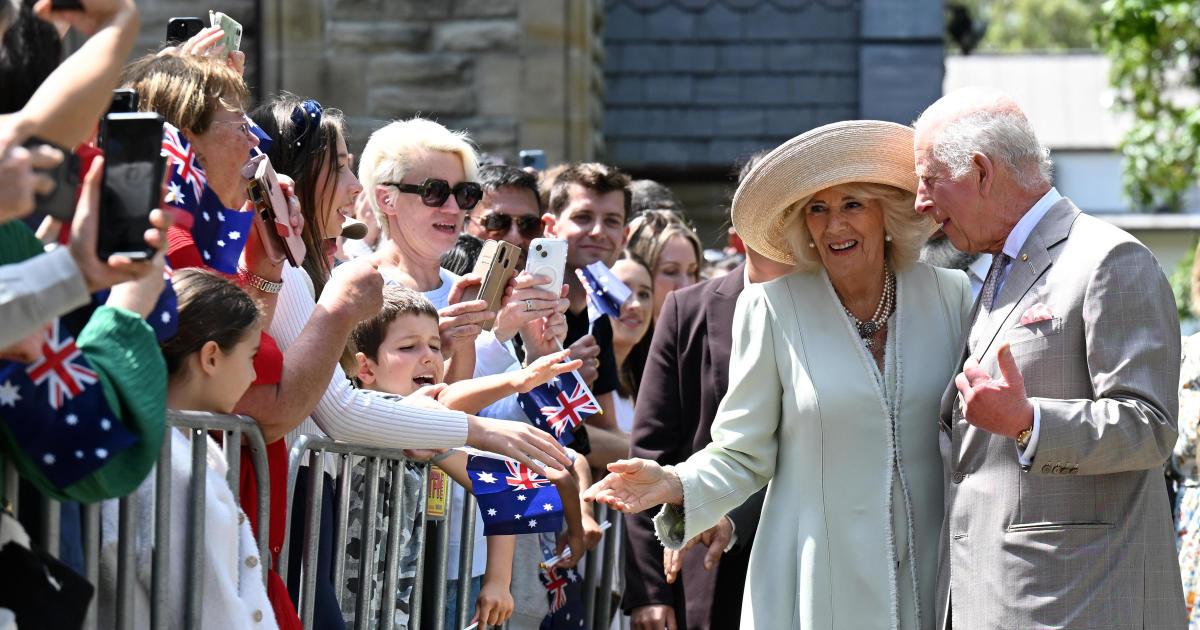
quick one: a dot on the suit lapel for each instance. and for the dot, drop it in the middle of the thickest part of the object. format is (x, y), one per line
(1029, 265)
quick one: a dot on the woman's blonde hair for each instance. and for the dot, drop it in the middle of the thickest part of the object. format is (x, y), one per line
(651, 230)
(185, 89)
(908, 229)
(393, 149)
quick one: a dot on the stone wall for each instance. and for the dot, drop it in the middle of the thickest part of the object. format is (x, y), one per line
(515, 74)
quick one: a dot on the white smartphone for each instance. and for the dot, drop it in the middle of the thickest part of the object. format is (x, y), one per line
(548, 257)
(233, 31)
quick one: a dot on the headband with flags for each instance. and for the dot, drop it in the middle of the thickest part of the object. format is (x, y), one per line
(605, 292)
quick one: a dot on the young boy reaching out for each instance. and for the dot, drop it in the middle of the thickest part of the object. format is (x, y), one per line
(400, 353)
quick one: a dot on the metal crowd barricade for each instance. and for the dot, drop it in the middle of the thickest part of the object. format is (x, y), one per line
(197, 424)
(311, 450)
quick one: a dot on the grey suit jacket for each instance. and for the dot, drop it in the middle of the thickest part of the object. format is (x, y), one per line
(1083, 537)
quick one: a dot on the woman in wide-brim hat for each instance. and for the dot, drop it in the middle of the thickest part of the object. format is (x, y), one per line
(835, 377)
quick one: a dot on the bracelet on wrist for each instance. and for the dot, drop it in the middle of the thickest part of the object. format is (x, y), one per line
(258, 282)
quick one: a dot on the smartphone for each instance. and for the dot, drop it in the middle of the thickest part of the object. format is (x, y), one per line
(133, 174)
(233, 30)
(548, 257)
(267, 197)
(532, 158)
(181, 29)
(124, 100)
(497, 264)
(59, 203)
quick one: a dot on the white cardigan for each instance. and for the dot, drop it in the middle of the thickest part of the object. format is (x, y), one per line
(358, 415)
(234, 595)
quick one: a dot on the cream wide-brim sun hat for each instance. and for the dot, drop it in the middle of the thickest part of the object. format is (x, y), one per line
(852, 151)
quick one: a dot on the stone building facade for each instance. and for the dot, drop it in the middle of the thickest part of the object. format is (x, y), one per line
(677, 90)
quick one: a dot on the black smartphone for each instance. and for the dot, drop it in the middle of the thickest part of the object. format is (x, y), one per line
(532, 158)
(181, 29)
(124, 100)
(59, 203)
(133, 175)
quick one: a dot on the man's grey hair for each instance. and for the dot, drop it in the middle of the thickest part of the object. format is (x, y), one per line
(1003, 136)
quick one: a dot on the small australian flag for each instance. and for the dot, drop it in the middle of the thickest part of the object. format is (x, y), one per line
(219, 233)
(559, 405)
(512, 497)
(56, 411)
(605, 293)
(564, 593)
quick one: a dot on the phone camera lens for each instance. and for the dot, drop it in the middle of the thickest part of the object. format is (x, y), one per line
(543, 254)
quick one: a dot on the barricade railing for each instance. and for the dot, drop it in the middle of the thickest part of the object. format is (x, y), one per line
(197, 424)
(380, 464)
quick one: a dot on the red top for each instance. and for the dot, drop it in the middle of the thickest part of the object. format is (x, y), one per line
(268, 367)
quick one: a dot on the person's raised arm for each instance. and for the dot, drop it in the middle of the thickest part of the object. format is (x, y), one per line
(474, 394)
(309, 358)
(65, 108)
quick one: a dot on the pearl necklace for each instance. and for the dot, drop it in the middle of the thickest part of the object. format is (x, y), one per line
(887, 303)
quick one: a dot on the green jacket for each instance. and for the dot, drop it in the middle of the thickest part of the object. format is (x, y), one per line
(122, 350)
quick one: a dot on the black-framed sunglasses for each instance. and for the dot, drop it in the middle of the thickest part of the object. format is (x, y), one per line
(528, 225)
(435, 192)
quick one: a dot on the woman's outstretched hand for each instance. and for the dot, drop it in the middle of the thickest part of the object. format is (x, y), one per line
(633, 485)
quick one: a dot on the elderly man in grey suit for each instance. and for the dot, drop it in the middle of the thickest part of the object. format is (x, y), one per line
(1055, 433)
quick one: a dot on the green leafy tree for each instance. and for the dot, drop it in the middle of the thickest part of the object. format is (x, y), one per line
(1154, 46)
(1034, 25)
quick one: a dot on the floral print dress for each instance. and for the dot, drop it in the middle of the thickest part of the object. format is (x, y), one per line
(1187, 514)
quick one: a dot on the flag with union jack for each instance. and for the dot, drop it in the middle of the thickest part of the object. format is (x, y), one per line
(564, 593)
(512, 498)
(559, 405)
(56, 410)
(219, 233)
(605, 292)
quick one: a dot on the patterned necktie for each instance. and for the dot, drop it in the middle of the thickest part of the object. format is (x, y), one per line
(987, 294)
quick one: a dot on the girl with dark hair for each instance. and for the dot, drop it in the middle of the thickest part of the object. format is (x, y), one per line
(210, 363)
(632, 332)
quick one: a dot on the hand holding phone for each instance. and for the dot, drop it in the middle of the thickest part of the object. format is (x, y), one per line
(548, 257)
(61, 167)
(276, 233)
(232, 40)
(496, 264)
(133, 177)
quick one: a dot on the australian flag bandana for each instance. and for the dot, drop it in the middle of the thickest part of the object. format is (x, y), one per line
(512, 498)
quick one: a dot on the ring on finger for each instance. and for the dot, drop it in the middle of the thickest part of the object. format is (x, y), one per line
(529, 305)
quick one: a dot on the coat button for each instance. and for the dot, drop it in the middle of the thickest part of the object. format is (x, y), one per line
(252, 562)
(257, 616)
(957, 477)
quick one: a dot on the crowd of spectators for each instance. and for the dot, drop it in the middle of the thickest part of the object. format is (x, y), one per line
(374, 340)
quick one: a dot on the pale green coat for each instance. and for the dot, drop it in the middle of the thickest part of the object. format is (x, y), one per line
(854, 497)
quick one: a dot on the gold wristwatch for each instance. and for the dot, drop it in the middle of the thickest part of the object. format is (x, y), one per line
(1023, 437)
